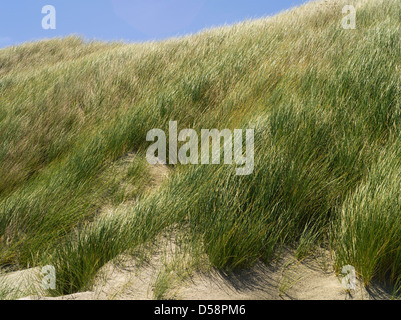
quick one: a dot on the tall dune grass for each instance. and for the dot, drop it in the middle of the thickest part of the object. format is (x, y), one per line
(324, 103)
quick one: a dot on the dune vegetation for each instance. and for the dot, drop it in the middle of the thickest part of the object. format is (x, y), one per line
(325, 104)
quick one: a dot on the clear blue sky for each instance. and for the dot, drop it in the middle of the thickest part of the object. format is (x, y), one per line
(129, 20)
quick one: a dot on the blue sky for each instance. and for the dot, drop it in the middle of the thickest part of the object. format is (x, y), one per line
(129, 20)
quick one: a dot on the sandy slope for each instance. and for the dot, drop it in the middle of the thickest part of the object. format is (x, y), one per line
(311, 279)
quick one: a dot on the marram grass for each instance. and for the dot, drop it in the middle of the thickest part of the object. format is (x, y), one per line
(325, 104)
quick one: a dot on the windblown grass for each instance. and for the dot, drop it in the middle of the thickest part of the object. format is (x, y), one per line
(325, 104)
